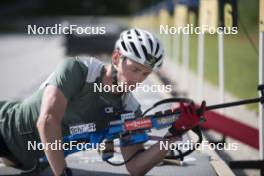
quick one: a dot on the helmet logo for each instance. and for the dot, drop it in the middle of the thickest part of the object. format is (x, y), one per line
(150, 61)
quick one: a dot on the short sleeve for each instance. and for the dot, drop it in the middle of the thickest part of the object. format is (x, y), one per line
(69, 77)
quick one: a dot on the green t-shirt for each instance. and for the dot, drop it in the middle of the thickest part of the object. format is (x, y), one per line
(75, 78)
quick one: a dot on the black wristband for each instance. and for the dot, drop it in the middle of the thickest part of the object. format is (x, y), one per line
(66, 172)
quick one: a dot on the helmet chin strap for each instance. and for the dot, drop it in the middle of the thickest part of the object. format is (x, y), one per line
(114, 75)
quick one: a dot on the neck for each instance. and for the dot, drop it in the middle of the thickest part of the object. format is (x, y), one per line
(107, 79)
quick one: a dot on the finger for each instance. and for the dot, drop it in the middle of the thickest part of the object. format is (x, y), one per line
(182, 108)
(203, 106)
(174, 107)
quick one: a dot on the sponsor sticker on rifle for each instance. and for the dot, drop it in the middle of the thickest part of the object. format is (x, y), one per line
(127, 116)
(138, 124)
(81, 128)
(166, 120)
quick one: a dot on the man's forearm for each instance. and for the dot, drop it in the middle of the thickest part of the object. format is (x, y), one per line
(50, 131)
(146, 160)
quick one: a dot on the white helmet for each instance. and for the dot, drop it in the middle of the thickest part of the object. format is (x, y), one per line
(142, 47)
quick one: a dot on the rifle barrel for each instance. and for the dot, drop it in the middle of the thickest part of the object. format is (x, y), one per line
(236, 103)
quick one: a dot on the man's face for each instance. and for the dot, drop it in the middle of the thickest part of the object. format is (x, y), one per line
(131, 72)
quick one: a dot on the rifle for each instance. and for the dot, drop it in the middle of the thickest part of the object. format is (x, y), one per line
(132, 130)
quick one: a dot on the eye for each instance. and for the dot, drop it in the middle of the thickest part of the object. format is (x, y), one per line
(134, 70)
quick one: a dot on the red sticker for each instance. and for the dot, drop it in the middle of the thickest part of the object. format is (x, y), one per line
(138, 124)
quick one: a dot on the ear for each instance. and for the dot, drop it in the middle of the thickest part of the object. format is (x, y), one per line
(116, 57)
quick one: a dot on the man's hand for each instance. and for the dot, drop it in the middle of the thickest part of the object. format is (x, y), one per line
(188, 118)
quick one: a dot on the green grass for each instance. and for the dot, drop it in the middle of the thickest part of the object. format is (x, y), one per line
(241, 60)
(241, 64)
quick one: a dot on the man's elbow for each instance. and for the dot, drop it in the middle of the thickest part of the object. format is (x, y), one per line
(47, 120)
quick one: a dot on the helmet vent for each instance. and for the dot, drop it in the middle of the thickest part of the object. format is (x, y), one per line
(138, 34)
(159, 65)
(157, 49)
(145, 51)
(134, 49)
(159, 58)
(151, 45)
(123, 45)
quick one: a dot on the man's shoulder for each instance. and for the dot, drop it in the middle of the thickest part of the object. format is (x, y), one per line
(93, 65)
(90, 67)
